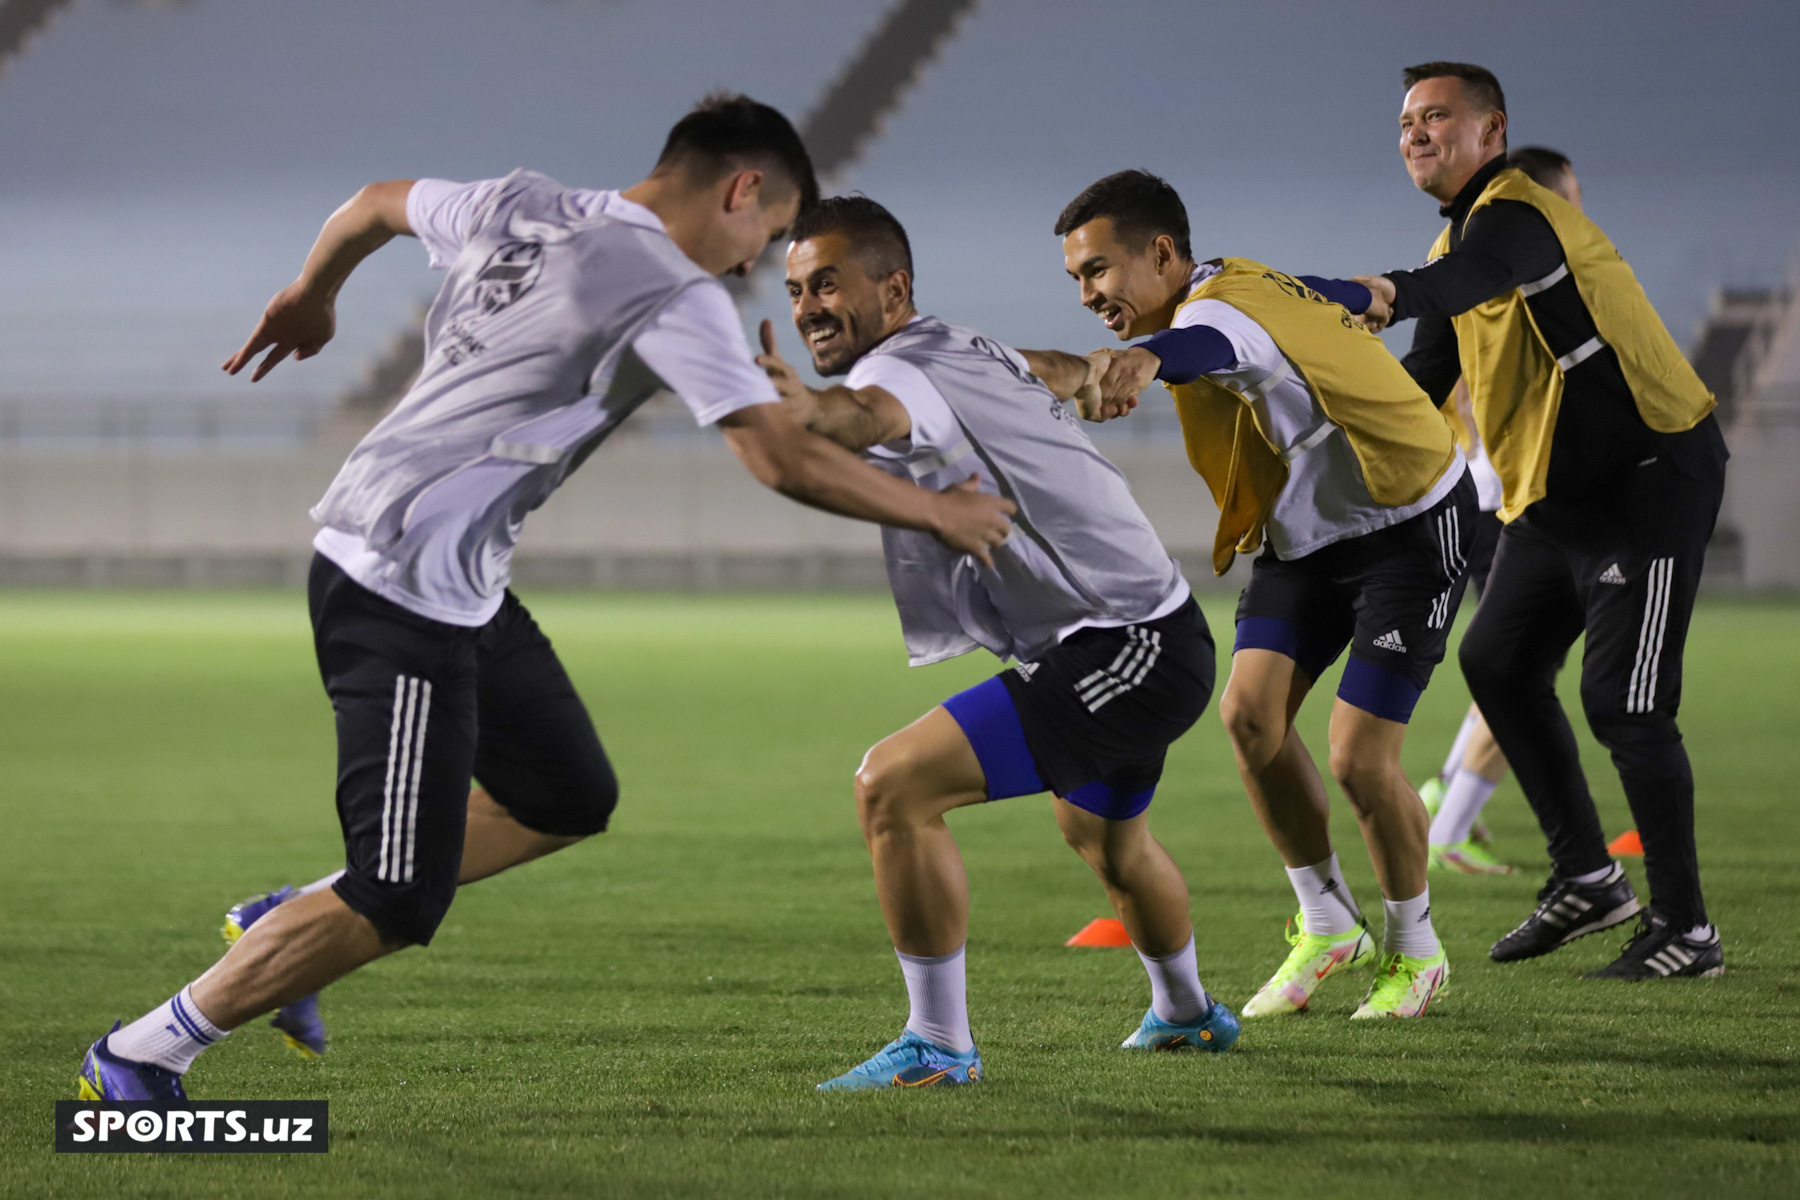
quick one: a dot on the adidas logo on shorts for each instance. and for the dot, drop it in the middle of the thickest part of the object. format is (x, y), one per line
(1612, 574)
(1391, 641)
(1026, 670)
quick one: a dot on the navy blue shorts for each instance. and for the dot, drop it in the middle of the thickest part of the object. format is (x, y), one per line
(1092, 719)
(1390, 595)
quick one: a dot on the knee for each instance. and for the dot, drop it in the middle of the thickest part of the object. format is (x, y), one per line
(1364, 777)
(1256, 730)
(1624, 732)
(591, 809)
(882, 792)
(1093, 841)
(1481, 667)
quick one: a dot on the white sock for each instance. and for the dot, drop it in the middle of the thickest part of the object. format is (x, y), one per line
(1175, 992)
(171, 1035)
(1325, 899)
(1603, 875)
(1454, 762)
(1699, 933)
(1463, 801)
(1408, 929)
(319, 885)
(940, 1005)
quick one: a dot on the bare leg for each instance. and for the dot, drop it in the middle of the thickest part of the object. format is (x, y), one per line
(313, 940)
(1365, 760)
(1286, 793)
(1145, 886)
(295, 950)
(905, 785)
(1483, 754)
(493, 841)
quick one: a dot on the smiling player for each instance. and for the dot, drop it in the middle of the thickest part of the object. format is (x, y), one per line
(1321, 452)
(1114, 659)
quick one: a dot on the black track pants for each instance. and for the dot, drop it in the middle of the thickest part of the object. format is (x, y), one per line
(1625, 572)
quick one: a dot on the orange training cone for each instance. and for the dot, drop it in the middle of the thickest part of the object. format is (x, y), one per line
(1105, 931)
(1627, 843)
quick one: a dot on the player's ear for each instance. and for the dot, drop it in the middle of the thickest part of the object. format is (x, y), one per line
(745, 191)
(1164, 247)
(896, 290)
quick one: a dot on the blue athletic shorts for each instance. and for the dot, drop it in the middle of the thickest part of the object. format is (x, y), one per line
(1092, 719)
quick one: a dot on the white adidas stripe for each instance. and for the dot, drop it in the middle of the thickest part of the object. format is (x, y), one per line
(1121, 669)
(1449, 536)
(400, 791)
(387, 791)
(1640, 693)
(1118, 661)
(418, 769)
(1102, 687)
(405, 773)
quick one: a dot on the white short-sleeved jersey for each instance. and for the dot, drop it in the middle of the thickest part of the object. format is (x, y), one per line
(1326, 498)
(937, 442)
(490, 355)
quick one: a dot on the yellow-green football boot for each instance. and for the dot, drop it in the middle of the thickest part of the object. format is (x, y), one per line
(1313, 957)
(1468, 858)
(1404, 986)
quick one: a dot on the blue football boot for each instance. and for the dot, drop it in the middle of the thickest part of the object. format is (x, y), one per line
(299, 1023)
(1214, 1033)
(909, 1061)
(106, 1076)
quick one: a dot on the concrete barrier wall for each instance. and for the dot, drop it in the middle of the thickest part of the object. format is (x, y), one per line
(641, 513)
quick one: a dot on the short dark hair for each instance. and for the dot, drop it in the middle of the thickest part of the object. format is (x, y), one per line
(1142, 207)
(878, 240)
(1478, 82)
(729, 132)
(1545, 166)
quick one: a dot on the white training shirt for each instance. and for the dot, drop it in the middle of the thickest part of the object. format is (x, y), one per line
(1326, 498)
(936, 443)
(695, 346)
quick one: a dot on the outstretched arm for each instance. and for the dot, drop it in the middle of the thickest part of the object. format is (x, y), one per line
(1173, 356)
(854, 418)
(814, 471)
(1072, 377)
(1505, 245)
(303, 315)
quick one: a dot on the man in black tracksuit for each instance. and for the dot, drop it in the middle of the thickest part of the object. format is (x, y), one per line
(1607, 537)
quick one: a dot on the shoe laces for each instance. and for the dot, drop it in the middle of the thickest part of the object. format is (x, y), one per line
(1390, 977)
(1647, 927)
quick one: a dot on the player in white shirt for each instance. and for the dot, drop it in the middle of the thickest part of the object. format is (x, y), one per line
(563, 311)
(1113, 659)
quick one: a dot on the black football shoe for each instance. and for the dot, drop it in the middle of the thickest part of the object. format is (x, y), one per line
(1658, 951)
(1568, 910)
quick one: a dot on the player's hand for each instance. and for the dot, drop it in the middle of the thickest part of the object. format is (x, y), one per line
(1091, 401)
(797, 400)
(1087, 396)
(1127, 372)
(1380, 312)
(972, 522)
(298, 321)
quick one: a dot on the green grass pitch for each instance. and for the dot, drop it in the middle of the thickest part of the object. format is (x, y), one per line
(646, 1015)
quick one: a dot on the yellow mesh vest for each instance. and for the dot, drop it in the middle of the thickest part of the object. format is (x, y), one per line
(1402, 442)
(1515, 381)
